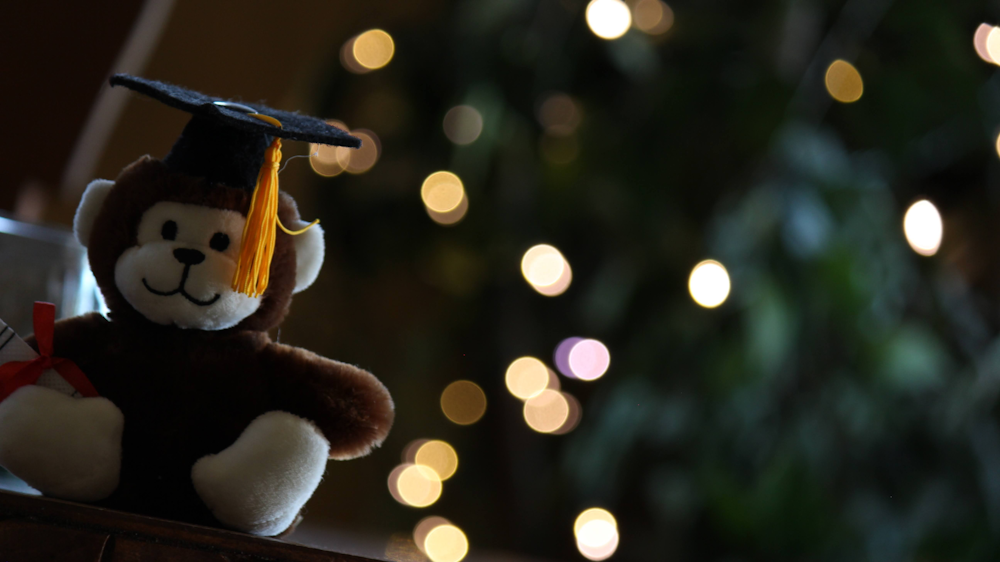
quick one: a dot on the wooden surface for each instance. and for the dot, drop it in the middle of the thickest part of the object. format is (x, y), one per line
(34, 529)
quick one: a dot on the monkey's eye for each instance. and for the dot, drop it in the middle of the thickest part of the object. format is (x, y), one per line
(169, 230)
(219, 242)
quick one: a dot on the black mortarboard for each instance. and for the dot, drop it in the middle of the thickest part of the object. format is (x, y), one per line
(222, 143)
(238, 144)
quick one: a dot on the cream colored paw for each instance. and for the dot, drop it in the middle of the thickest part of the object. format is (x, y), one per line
(260, 483)
(65, 447)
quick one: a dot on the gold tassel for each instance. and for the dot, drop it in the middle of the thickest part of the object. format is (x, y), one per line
(253, 266)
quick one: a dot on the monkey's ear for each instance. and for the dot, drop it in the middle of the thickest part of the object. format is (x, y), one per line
(309, 250)
(90, 205)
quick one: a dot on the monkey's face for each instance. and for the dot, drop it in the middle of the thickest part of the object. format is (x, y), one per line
(181, 270)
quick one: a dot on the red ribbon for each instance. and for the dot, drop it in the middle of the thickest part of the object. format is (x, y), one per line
(15, 374)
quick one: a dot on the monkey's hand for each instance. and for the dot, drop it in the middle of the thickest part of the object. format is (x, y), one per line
(65, 447)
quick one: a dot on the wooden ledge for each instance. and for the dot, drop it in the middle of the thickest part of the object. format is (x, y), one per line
(34, 529)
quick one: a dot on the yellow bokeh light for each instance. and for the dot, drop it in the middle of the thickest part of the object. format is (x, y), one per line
(709, 284)
(596, 533)
(373, 49)
(527, 377)
(446, 543)
(451, 217)
(439, 457)
(546, 412)
(574, 416)
(923, 228)
(418, 486)
(362, 159)
(543, 265)
(463, 124)
(560, 286)
(393, 482)
(608, 19)
(979, 42)
(329, 161)
(463, 402)
(653, 16)
(424, 527)
(843, 82)
(593, 514)
(993, 45)
(442, 192)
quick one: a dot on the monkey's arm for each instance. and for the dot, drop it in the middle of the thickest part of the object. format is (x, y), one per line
(349, 405)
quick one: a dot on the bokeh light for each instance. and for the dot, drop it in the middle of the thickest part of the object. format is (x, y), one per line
(843, 82)
(348, 60)
(601, 552)
(442, 192)
(547, 411)
(463, 124)
(993, 45)
(424, 527)
(652, 16)
(596, 533)
(451, 217)
(553, 383)
(593, 514)
(373, 49)
(709, 284)
(544, 266)
(573, 417)
(463, 402)
(589, 359)
(394, 482)
(410, 450)
(360, 160)
(527, 377)
(979, 42)
(559, 114)
(415, 485)
(446, 543)
(329, 161)
(438, 456)
(608, 19)
(561, 356)
(923, 227)
(560, 286)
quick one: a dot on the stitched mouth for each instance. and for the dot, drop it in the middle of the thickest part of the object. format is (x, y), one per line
(180, 289)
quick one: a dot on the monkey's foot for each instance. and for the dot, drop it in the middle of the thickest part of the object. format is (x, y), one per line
(65, 447)
(260, 483)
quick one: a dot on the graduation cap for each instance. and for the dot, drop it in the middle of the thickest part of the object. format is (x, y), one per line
(239, 145)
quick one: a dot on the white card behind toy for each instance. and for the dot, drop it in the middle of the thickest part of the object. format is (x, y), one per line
(13, 348)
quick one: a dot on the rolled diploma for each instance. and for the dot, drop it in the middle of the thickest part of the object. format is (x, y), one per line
(13, 348)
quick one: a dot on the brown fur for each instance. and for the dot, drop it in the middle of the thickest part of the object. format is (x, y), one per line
(189, 393)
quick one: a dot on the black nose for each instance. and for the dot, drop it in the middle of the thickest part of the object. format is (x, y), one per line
(188, 256)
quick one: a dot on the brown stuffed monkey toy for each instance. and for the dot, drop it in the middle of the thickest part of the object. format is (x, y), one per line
(201, 417)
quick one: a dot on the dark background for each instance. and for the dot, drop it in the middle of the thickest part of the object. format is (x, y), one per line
(841, 405)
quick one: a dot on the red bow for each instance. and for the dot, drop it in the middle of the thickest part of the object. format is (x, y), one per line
(15, 374)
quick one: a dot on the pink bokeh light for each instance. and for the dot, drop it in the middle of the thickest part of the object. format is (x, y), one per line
(589, 359)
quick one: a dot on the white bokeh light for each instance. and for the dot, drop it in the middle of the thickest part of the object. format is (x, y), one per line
(608, 19)
(923, 227)
(709, 284)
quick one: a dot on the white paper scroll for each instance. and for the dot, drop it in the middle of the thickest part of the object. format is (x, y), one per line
(13, 348)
